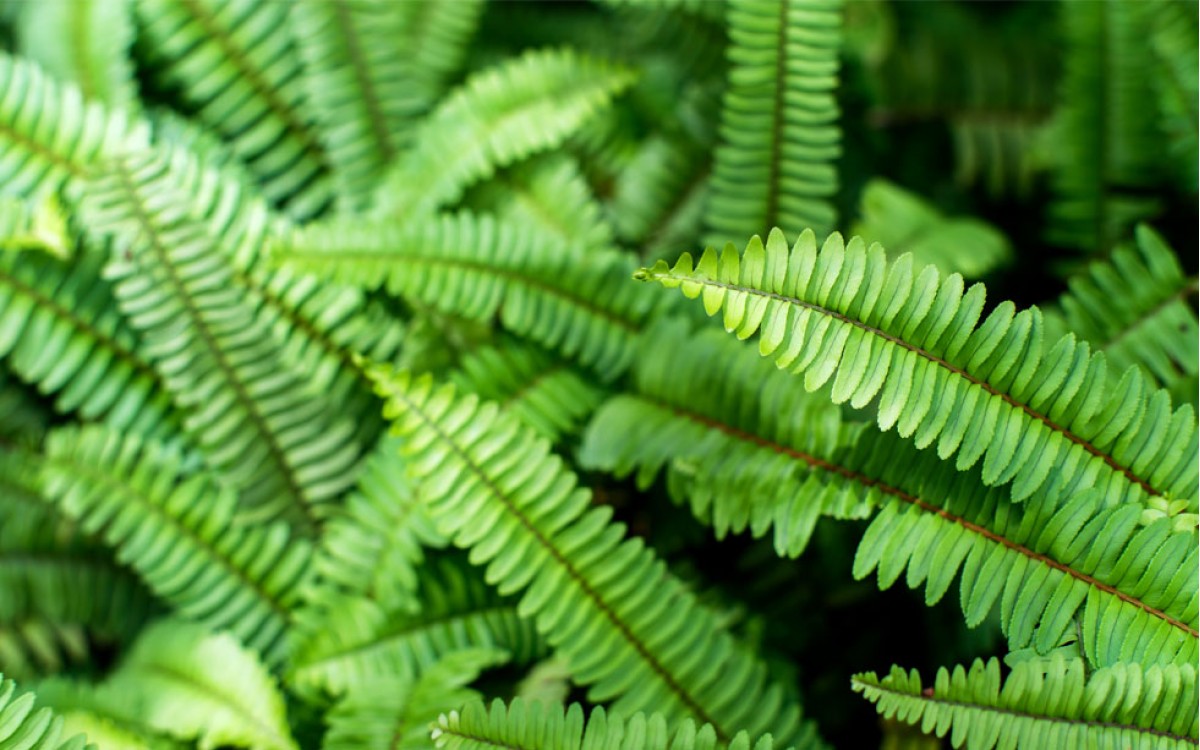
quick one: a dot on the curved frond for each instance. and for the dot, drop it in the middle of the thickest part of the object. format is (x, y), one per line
(627, 628)
(189, 683)
(779, 134)
(522, 725)
(96, 59)
(987, 392)
(26, 727)
(138, 497)
(580, 304)
(256, 422)
(235, 65)
(497, 117)
(1054, 703)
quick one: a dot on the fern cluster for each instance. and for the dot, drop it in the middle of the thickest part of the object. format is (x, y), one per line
(345, 401)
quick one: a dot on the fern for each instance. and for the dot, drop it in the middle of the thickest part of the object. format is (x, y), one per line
(40, 226)
(28, 728)
(1178, 87)
(1055, 704)
(990, 391)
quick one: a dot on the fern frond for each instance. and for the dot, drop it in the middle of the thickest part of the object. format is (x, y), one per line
(28, 728)
(393, 714)
(628, 629)
(189, 683)
(97, 57)
(905, 223)
(497, 117)
(659, 197)
(1134, 308)
(1034, 414)
(1174, 26)
(1045, 704)
(102, 714)
(577, 303)
(530, 726)
(258, 425)
(234, 64)
(350, 640)
(37, 225)
(437, 38)
(779, 133)
(139, 499)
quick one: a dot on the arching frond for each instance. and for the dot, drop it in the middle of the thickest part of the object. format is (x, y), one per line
(628, 629)
(192, 684)
(904, 223)
(27, 727)
(577, 303)
(1134, 308)
(530, 726)
(495, 118)
(779, 133)
(254, 419)
(993, 392)
(1055, 703)
(139, 498)
(97, 57)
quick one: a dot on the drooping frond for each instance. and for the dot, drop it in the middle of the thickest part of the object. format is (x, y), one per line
(26, 727)
(1135, 308)
(494, 119)
(779, 133)
(1104, 142)
(192, 684)
(1054, 703)
(548, 395)
(256, 422)
(628, 629)
(1177, 83)
(579, 304)
(59, 330)
(236, 66)
(739, 441)
(96, 58)
(353, 639)
(396, 714)
(522, 725)
(905, 223)
(139, 498)
(40, 225)
(1034, 414)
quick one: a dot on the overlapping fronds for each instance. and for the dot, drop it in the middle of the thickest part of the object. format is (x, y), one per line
(192, 684)
(256, 422)
(26, 727)
(59, 329)
(659, 197)
(742, 445)
(436, 39)
(905, 223)
(1135, 308)
(530, 726)
(548, 395)
(993, 391)
(1177, 84)
(353, 639)
(97, 58)
(579, 304)
(1052, 703)
(48, 133)
(627, 628)
(236, 66)
(779, 132)
(1104, 142)
(40, 225)
(497, 117)
(396, 714)
(140, 499)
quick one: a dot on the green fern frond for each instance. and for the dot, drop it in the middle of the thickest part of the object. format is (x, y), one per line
(1055, 703)
(579, 304)
(138, 497)
(436, 38)
(257, 424)
(393, 714)
(25, 727)
(23, 419)
(34, 226)
(97, 57)
(1148, 322)
(253, 95)
(1174, 27)
(1034, 414)
(531, 726)
(628, 629)
(905, 223)
(497, 117)
(101, 714)
(659, 197)
(192, 684)
(779, 133)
